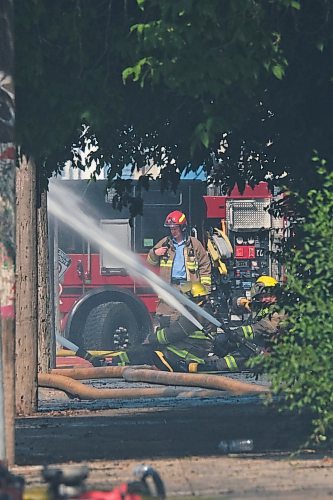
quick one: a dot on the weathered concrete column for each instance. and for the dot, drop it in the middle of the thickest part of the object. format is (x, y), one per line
(26, 288)
(46, 337)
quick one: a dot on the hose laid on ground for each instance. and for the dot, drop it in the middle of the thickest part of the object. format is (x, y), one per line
(193, 380)
(78, 390)
(131, 374)
(93, 373)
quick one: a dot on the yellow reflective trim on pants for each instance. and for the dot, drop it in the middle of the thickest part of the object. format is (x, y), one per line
(123, 358)
(231, 363)
(206, 280)
(248, 331)
(184, 354)
(193, 367)
(163, 360)
(114, 354)
(198, 335)
(161, 336)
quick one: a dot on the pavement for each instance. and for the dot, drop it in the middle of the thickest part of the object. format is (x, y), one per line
(180, 438)
(213, 477)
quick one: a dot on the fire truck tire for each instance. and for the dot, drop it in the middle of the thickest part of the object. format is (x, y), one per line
(102, 324)
(118, 318)
(92, 333)
(105, 310)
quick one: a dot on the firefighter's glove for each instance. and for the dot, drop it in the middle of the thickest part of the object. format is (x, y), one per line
(245, 303)
(236, 334)
(99, 361)
(209, 335)
(222, 344)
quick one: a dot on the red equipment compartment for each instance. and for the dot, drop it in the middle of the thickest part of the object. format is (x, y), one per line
(216, 206)
(245, 252)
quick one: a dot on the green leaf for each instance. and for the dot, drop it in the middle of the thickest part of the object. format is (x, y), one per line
(278, 71)
(296, 5)
(141, 4)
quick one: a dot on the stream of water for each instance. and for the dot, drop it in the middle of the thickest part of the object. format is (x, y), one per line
(66, 207)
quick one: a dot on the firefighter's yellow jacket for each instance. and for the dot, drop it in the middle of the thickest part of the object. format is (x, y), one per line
(197, 262)
(197, 265)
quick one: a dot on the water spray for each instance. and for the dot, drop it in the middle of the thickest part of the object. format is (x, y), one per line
(79, 351)
(65, 206)
(67, 343)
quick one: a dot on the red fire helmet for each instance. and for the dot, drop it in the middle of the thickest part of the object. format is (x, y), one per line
(175, 218)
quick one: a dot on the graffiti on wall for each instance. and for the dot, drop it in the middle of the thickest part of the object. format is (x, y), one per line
(7, 227)
(7, 293)
(7, 112)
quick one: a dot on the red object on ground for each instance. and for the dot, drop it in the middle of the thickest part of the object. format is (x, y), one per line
(71, 361)
(120, 493)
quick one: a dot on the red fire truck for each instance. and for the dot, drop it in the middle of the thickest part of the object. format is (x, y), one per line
(103, 307)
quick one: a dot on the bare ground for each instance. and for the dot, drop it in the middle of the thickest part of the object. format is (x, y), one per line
(179, 437)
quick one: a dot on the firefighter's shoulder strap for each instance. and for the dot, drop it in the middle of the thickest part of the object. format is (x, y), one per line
(190, 246)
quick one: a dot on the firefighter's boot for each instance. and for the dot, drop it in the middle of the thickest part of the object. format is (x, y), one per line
(214, 364)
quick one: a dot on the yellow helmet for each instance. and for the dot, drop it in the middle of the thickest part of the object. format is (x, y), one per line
(195, 289)
(267, 281)
(260, 286)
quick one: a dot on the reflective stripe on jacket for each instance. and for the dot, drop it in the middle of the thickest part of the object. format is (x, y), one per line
(197, 262)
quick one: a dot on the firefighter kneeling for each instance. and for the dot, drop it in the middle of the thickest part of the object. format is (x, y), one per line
(180, 346)
(233, 348)
(176, 345)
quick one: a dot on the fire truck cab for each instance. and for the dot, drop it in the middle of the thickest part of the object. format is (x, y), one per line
(102, 307)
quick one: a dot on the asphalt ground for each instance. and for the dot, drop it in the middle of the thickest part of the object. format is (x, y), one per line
(180, 437)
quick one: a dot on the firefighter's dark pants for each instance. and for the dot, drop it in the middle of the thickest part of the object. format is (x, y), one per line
(140, 355)
(147, 354)
(234, 362)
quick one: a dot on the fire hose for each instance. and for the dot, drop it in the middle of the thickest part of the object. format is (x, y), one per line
(94, 373)
(64, 380)
(153, 376)
(208, 381)
(81, 391)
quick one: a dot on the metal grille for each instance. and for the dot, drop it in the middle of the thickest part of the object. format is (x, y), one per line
(248, 214)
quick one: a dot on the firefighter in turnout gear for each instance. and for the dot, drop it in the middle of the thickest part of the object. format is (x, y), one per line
(181, 258)
(175, 344)
(234, 347)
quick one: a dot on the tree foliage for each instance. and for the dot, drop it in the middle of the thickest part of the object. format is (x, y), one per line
(69, 75)
(67, 60)
(209, 53)
(259, 72)
(71, 72)
(300, 366)
(264, 79)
